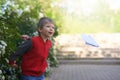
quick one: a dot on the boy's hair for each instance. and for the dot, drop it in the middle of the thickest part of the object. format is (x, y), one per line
(43, 21)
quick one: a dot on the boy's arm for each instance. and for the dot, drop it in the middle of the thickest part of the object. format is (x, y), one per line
(23, 48)
(25, 37)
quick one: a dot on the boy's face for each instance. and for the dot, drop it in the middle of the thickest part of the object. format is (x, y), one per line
(47, 30)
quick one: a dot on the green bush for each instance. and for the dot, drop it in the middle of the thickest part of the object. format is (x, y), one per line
(15, 20)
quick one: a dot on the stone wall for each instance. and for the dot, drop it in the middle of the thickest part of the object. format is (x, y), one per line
(72, 46)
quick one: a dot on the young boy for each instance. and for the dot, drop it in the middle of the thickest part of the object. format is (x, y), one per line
(34, 52)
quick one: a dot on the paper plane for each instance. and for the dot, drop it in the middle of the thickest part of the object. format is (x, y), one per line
(89, 40)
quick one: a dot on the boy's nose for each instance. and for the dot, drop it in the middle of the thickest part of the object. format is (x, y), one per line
(51, 28)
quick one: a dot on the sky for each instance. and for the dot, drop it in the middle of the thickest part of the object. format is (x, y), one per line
(86, 7)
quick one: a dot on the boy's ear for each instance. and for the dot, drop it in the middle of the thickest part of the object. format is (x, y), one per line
(40, 29)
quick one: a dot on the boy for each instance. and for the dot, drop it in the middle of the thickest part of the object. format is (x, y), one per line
(34, 51)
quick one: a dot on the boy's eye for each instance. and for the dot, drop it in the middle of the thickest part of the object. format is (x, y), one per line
(48, 26)
(53, 27)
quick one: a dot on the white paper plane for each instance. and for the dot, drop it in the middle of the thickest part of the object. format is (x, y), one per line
(89, 40)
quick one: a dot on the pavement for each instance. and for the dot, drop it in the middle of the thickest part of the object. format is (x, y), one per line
(69, 70)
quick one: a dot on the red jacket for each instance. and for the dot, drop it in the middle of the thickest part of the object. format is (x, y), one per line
(34, 61)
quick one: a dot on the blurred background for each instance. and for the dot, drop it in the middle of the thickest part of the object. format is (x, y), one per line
(98, 18)
(84, 16)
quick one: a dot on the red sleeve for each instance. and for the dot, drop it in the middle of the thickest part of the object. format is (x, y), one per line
(11, 62)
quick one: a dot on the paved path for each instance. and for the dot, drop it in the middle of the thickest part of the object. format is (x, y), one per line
(86, 72)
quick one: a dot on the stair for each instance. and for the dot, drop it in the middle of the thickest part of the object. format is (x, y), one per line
(109, 61)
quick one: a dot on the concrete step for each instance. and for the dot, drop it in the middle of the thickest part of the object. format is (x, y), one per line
(91, 61)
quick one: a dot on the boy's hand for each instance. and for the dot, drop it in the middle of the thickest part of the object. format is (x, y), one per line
(25, 37)
(14, 65)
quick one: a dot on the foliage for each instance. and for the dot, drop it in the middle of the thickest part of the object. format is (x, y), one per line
(2, 52)
(20, 17)
(87, 18)
(117, 21)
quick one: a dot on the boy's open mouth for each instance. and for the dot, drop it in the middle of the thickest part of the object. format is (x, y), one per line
(50, 32)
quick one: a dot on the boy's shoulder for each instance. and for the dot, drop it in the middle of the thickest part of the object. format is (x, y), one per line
(34, 37)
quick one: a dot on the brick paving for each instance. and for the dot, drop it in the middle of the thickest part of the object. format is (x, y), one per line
(85, 72)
